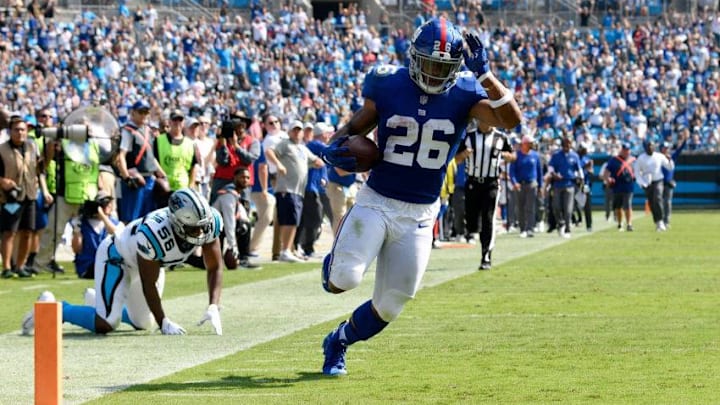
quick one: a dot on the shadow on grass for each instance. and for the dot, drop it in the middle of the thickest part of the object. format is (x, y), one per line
(227, 383)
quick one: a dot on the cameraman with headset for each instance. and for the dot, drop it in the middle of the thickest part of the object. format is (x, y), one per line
(235, 148)
(89, 229)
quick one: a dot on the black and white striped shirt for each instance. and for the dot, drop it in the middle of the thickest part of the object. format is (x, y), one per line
(484, 161)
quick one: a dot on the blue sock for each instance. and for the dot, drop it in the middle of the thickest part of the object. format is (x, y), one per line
(79, 315)
(363, 325)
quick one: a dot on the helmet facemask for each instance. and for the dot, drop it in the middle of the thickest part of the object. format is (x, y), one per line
(190, 216)
(434, 74)
(195, 234)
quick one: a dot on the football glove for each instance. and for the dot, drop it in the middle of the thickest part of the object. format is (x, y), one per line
(476, 59)
(171, 328)
(333, 155)
(213, 315)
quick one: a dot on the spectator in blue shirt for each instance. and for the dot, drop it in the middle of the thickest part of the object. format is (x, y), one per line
(526, 177)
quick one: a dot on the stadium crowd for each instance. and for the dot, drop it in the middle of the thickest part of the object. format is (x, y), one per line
(613, 85)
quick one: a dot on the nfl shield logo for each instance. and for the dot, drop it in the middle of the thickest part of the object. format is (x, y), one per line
(423, 99)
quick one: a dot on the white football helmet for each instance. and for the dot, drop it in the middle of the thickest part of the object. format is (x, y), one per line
(190, 216)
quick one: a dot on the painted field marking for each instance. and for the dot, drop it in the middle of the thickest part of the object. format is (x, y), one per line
(252, 314)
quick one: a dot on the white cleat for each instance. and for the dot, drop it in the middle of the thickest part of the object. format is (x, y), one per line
(28, 322)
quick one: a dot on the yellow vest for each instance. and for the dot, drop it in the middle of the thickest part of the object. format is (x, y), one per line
(50, 178)
(175, 160)
(81, 178)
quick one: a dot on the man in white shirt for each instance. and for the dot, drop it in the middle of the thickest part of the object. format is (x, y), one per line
(649, 176)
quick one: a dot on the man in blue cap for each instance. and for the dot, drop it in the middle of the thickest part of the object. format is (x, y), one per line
(137, 165)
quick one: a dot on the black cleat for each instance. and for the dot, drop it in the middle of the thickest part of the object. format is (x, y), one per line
(54, 267)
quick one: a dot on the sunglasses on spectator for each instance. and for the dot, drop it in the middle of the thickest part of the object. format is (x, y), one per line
(178, 119)
(143, 112)
(45, 116)
(273, 122)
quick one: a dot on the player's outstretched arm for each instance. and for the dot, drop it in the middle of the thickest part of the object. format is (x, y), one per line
(212, 257)
(500, 109)
(213, 263)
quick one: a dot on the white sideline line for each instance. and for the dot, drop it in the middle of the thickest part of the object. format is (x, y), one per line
(36, 287)
(254, 313)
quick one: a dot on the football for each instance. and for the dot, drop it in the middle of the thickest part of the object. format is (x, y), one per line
(364, 150)
(231, 262)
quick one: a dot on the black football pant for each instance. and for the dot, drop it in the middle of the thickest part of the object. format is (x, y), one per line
(310, 226)
(480, 206)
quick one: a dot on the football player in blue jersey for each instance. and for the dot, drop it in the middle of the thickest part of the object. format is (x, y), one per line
(129, 275)
(420, 113)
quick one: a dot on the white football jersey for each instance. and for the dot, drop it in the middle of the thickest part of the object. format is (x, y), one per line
(152, 238)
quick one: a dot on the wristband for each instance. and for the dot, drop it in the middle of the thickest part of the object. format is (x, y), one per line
(506, 98)
(485, 75)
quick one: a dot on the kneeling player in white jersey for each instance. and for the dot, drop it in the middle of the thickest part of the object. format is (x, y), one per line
(129, 278)
(420, 114)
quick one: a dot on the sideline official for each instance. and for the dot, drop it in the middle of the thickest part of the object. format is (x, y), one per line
(482, 150)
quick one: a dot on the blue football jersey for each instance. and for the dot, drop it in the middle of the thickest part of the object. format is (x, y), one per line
(418, 133)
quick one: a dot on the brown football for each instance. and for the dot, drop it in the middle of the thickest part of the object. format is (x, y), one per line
(231, 262)
(364, 150)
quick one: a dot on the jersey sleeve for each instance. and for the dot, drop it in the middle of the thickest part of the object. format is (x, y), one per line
(373, 85)
(471, 86)
(148, 244)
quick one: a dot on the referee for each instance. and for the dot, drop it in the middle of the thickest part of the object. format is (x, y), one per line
(482, 151)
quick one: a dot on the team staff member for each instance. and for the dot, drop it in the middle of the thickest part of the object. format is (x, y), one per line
(482, 150)
(565, 170)
(20, 166)
(527, 179)
(668, 176)
(136, 164)
(620, 177)
(649, 176)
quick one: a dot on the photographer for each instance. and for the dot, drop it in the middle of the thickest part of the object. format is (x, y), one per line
(233, 203)
(177, 156)
(136, 164)
(234, 148)
(89, 229)
(20, 168)
(45, 199)
(76, 172)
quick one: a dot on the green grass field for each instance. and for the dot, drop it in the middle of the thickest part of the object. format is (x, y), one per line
(605, 318)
